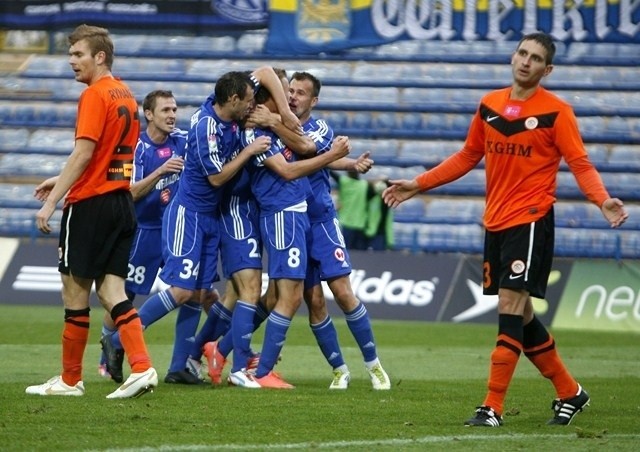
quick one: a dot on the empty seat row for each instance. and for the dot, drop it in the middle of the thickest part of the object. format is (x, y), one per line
(469, 238)
(344, 72)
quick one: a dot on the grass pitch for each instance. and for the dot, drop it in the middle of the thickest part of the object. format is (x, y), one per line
(438, 374)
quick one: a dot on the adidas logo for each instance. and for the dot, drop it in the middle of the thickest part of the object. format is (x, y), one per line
(247, 336)
(334, 355)
(369, 345)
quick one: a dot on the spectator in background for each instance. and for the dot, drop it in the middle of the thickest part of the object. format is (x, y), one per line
(379, 228)
(522, 132)
(98, 221)
(353, 193)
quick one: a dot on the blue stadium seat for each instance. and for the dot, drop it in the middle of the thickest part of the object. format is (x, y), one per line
(411, 211)
(623, 185)
(18, 196)
(383, 72)
(251, 43)
(471, 184)
(13, 139)
(360, 120)
(587, 242)
(446, 238)
(31, 165)
(426, 152)
(47, 66)
(51, 141)
(624, 157)
(20, 222)
(577, 214)
(454, 211)
(382, 151)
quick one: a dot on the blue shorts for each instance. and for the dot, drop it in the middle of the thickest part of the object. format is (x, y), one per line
(190, 243)
(240, 241)
(328, 256)
(284, 236)
(145, 261)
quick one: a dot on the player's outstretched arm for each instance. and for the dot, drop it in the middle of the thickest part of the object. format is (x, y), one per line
(399, 190)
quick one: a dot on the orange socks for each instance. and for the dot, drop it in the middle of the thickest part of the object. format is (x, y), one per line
(74, 341)
(126, 319)
(504, 359)
(540, 348)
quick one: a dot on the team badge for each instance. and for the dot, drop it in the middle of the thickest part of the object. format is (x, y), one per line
(531, 123)
(517, 267)
(339, 254)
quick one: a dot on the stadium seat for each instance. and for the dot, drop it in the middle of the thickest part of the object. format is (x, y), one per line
(13, 139)
(51, 141)
(18, 196)
(413, 210)
(471, 184)
(454, 211)
(31, 165)
(624, 157)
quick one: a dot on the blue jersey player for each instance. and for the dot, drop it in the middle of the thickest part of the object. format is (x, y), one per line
(328, 256)
(190, 233)
(281, 190)
(158, 161)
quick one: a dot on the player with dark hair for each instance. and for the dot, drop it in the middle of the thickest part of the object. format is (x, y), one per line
(190, 234)
(280, 187)
(522, 132)
(98, 222)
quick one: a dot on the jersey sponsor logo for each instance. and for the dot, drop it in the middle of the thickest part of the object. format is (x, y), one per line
(120, 170)
(512, 110)
(509, 148)
(164, 153)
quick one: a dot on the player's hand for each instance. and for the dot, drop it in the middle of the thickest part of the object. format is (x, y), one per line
(173, 165)
(340, 147)
(398, 191)
(259, 145)
(42, 217)
(291, 121)
(363, 163)
(614, 212)
(261, 116)
(41, 192)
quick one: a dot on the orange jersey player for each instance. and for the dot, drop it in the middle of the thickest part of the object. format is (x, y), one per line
(522, 132)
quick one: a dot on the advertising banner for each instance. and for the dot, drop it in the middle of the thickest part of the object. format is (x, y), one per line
(467, 303)
(393, 285)
(195, 16)
(601, 295)
(312, 26)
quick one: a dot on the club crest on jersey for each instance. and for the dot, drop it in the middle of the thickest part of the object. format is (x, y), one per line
(339, 254)
(164, 153)
(531, 123)
(287, 154)
(517, 267)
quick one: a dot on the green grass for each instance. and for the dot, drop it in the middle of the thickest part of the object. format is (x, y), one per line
(438, 373)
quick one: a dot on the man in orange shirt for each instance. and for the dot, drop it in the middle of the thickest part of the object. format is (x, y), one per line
(522, 132)
(98, 222)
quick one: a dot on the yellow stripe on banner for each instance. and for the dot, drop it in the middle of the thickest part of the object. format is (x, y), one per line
(360, 4)
(287, 6)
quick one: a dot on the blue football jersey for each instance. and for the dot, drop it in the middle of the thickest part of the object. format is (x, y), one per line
(149, 156)
(321, 206)
(272, 192)
(211, 143)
